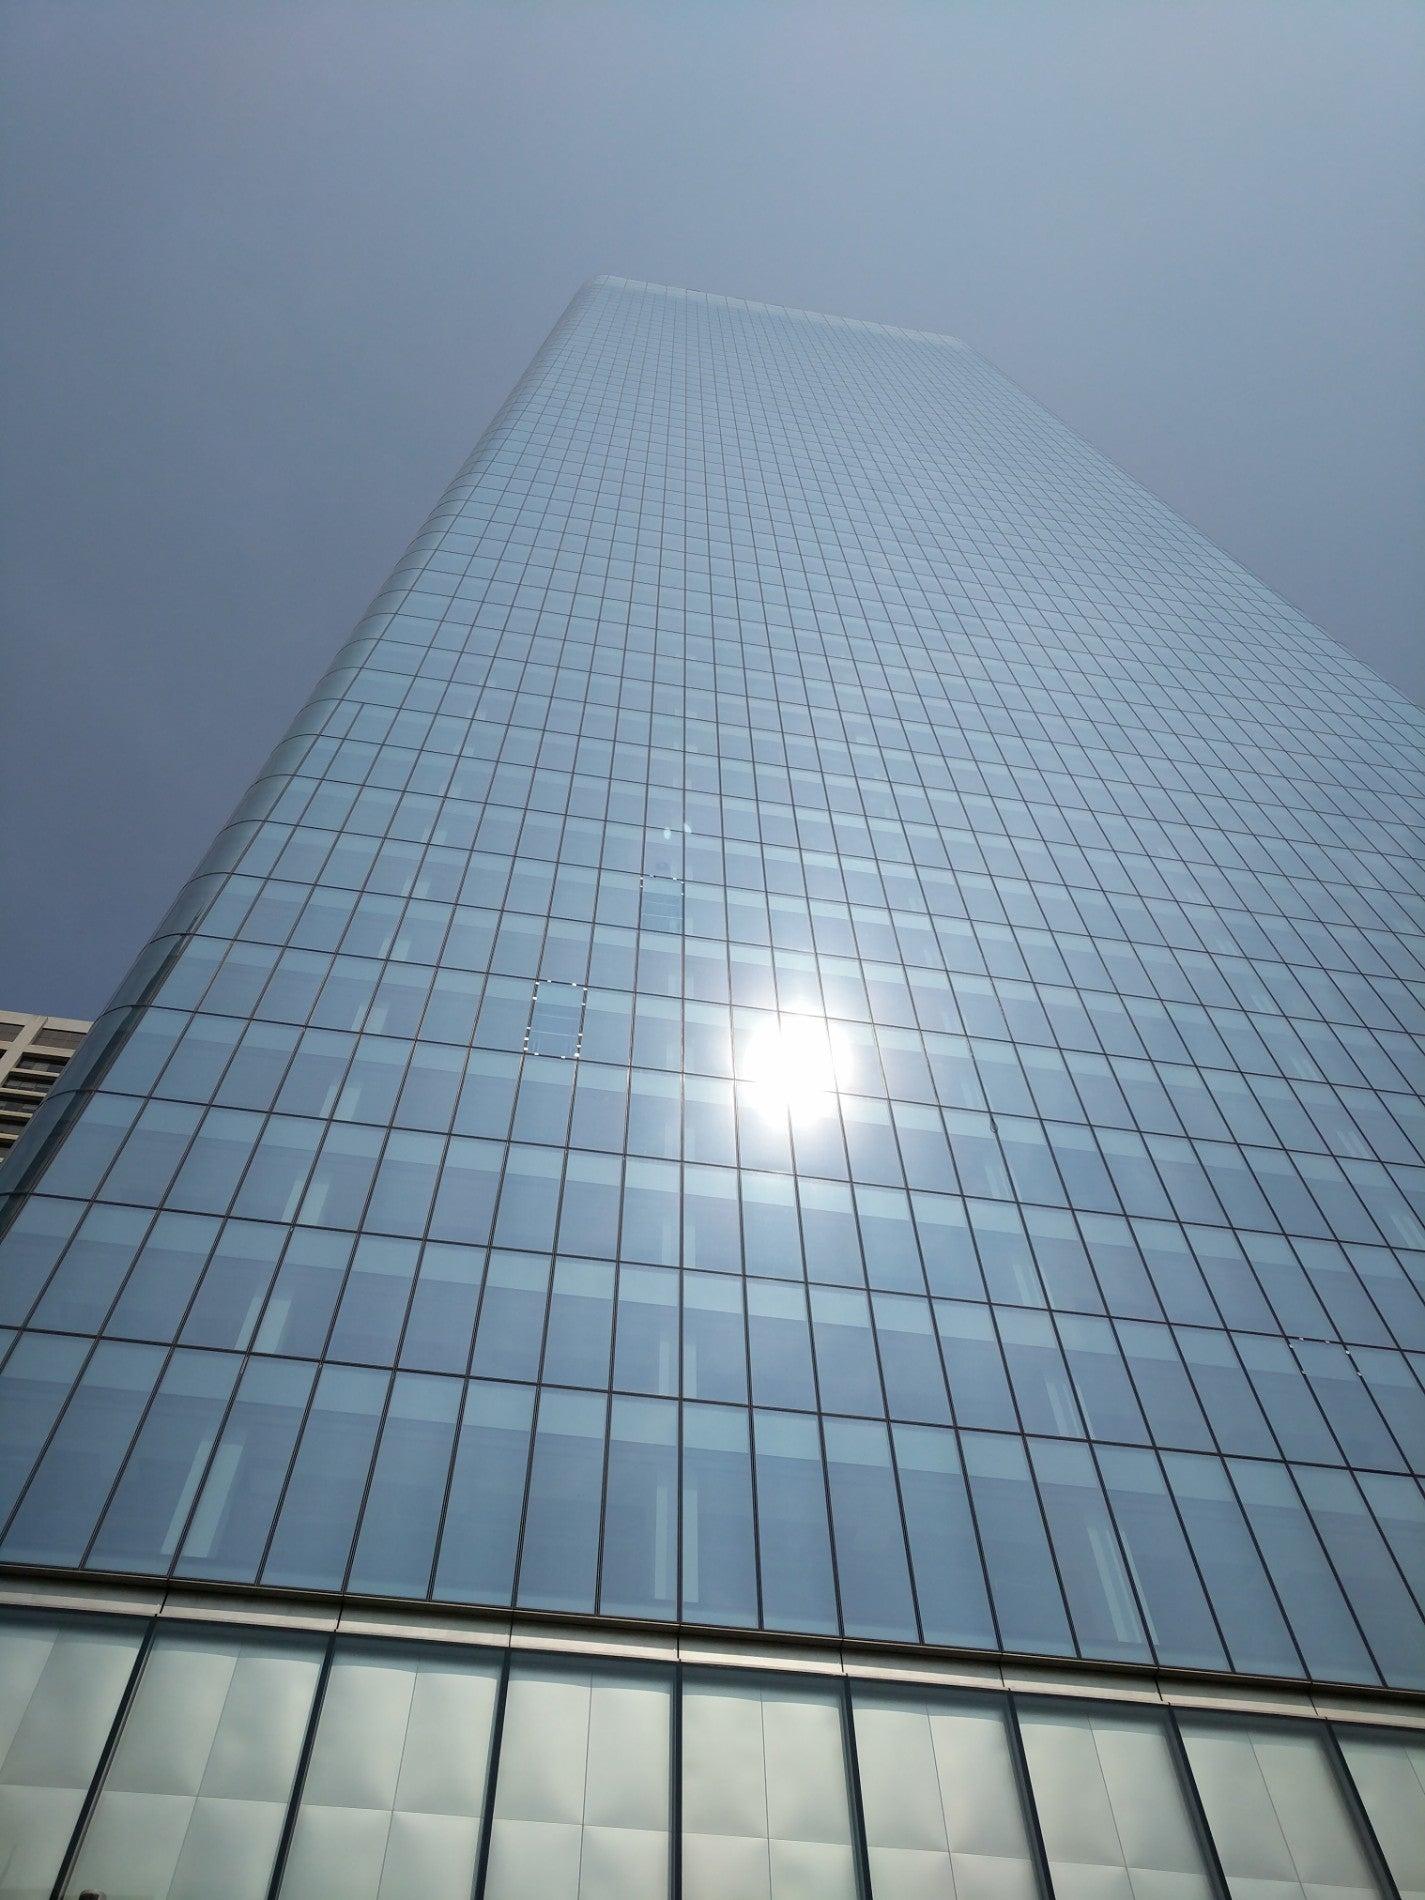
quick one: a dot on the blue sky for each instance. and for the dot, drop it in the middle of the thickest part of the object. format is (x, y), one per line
(271, 267)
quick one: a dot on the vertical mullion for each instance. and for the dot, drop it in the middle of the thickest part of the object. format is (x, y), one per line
(299, 1779)
(860, 1847)
(492, 1775)
(1217, 1874)
(104, 1763)
(1356, 1808)
(675, 1787)
(1034, 1831)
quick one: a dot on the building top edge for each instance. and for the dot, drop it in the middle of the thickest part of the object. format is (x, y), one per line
(611, 281)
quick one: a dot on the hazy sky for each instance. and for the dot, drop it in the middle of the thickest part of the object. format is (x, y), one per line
(269, 269)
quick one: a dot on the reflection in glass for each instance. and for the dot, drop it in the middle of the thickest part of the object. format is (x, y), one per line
(1278, 1819)
(195, 1797)
(581, 1800)
(393, 1797)
(940, 1797)
(765, 1807)
(60, 1684)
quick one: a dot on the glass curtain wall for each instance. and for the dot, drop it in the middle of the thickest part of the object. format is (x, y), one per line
(817, 1026)
(186, 1761)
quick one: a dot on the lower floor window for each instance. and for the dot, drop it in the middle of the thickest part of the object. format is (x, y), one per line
(171, 1759)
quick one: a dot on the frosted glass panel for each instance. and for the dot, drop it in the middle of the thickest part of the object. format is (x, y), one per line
(60, 1687)
(394, 1794)
(765, 1813)
(1111, 1807)
(1278, 1818)
(942, 1808)
(193, 1804)
(1389, 1773)
(582, 1799)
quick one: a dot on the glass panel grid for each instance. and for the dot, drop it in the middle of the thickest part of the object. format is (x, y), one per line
(217, 1759)
(817, 962)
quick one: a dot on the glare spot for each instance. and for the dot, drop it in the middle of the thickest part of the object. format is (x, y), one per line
(794, 1068)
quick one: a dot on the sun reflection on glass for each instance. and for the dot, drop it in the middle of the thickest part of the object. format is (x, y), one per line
(794, 1068)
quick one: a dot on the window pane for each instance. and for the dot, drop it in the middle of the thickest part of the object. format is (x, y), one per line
(396, 1545)
(1389, 1773)
(34, 1385)
(640, 1557)
(441, 1321)
(57, 1514)
(1278, 1819)
(34, 1241)
(765, 1807)
(1374, 1586)
(1320, 1619)
(1179, 1622)
(145, 1520)
(1113, 1814)
(797, 1588)
(870, 1543)
(235, 1508)
(582, 1798)
(940, 1796)
(156, 1294)
(944, 1549)
(195, 1797)
(561, 1531)
(1101, 1599)
(312, 1540)
(482, 1520)
(714, 1339)
(84, 1284)
(719, 1564)
(1242, 1597)
(61, 1680)
(393, 1798)
(646, 1343)
(1026, 1596)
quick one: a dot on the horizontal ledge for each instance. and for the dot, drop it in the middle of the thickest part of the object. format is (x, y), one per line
(43, 1587)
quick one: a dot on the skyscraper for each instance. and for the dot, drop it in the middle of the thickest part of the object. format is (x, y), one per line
(33, 1052)
(757, 1230)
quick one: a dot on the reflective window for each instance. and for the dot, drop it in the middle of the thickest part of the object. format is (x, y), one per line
(581, 1800)
(61, 1681)
(940, 1796)
(1111, 1807)
(196, 1795)
(217, 1759)
(765, 1803)
(1389, 1774)
(393, 1798)
(809, 898)
(1277, 1815)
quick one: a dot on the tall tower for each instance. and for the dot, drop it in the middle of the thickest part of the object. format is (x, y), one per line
(759, 1228)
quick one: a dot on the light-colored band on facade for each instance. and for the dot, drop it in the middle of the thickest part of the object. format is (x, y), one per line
(709, 1649)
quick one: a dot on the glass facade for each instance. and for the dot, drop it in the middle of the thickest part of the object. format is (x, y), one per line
(215, 1762)
(817, 1029)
